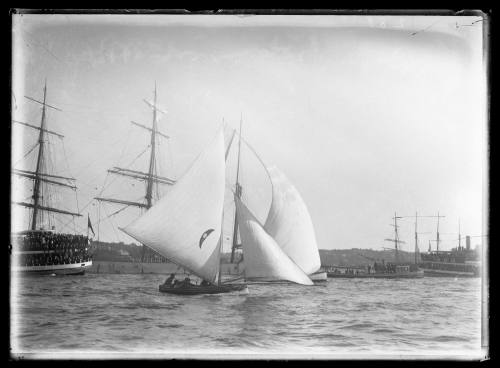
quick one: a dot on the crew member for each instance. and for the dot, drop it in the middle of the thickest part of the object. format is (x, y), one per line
(169, 280)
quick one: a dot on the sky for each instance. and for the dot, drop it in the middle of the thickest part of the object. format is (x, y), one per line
(366, 115)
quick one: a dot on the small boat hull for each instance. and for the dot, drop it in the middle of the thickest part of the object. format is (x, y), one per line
(199, 289)
(319, 277)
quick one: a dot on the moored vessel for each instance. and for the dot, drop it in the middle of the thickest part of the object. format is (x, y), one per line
(457, 262)
(396, 270)
(390, 271)
(153, 179)
(42, 250)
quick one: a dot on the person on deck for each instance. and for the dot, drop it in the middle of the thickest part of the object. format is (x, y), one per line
(187, 281)
(169, 280)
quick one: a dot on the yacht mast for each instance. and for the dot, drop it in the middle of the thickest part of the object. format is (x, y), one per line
(238, 194)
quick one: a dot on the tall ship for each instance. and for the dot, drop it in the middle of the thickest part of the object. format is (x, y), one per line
(149, 261)
(461, 261)
(387, 270)
(42, 249)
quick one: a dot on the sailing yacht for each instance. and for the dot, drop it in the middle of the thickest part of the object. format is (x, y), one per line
(185, 226)
(288, 221)
(42, 249)
(290, 224)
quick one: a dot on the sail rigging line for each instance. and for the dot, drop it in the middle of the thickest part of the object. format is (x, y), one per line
(26, 154)
(256, 155)
(113, 214)
(221, 242)
(201, 152)
(112, 225)
(192, 207)
(42, 46)
(66, 158)
(65, 226)
(263, 165)
(112, 180)
(37, 128)
(238, 193)
(120, 210)
(99, 222)
(74, 226)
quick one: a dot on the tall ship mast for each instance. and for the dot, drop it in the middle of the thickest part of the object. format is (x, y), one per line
(396, 270)
(41, 249)
(150, 177)
(396, 236)
(458, 262)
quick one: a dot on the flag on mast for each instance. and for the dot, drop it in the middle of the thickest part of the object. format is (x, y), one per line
(89, 225)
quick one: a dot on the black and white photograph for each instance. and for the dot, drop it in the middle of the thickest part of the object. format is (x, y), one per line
(249, 185)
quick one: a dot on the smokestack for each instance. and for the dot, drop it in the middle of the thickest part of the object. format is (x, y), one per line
(467, 242)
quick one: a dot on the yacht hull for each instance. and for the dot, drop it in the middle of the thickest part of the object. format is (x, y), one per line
(199, 289)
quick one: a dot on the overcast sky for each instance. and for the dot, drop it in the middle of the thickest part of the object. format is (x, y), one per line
(366, 115)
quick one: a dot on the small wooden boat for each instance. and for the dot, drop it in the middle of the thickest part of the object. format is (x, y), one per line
(320, 276)
(202, 289)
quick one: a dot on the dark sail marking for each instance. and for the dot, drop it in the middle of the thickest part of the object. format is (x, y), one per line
(205, 235)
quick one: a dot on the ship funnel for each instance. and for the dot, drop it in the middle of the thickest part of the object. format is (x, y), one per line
(467, 242)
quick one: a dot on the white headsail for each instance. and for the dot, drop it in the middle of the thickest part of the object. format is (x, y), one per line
(185, 225)
(290, 224)
(264, 259)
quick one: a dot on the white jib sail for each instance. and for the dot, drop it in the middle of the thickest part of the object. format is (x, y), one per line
(264, 259)
(185, 225)
(290, 224)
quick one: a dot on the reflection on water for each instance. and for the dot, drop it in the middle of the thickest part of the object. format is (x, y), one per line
(127, 313)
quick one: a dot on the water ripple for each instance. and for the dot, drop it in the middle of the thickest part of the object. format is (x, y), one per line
(127, 313)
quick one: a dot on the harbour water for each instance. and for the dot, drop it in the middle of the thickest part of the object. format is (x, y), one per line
(115, 315)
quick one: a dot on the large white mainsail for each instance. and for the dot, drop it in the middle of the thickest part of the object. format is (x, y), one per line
(185, 225)
(264, 259)
(290, 224)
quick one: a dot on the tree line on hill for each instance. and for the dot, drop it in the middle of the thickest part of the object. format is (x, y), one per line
(119, 251)
(361, 257)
